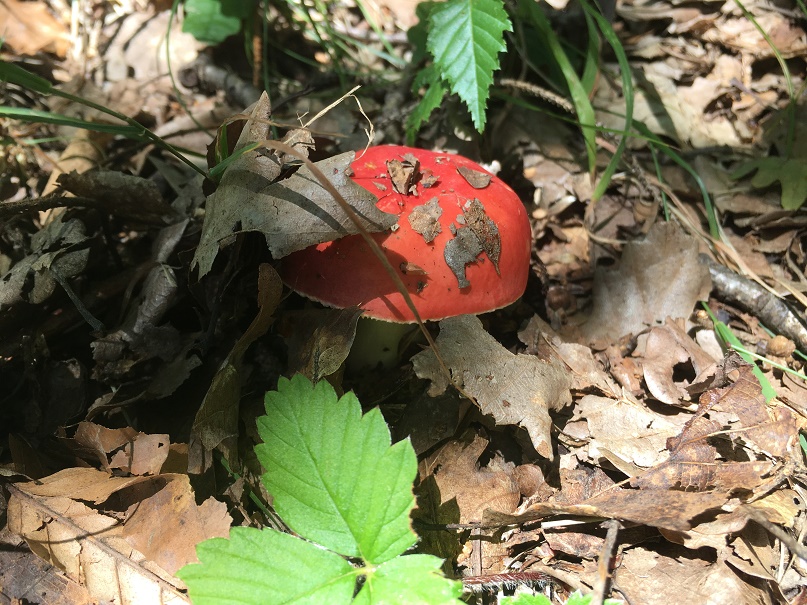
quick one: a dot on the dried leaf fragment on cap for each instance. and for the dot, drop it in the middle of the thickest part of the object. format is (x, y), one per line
(475, 178)
(425, 219)
(485, 229)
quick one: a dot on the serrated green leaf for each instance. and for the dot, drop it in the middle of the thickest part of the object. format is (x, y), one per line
(214, 21)
(419, 32)
(576, 598)
(526, 599)
(427, 78)
(791, 174)
(267, 566)
(410, 579)
(465, 38)
(333, 475)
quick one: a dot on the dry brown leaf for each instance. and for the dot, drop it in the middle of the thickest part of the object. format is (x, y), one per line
(29, 28)
(670, 510)
(455, 467)
(292, 213)
(124, 195)
(626, 429)
(677, 576)
(26, 578)
(81, 541)
(167, 526)
(514, 389)
(657, 278)
(319, 340)
(739, 413)
(663, 351)
(143, 455)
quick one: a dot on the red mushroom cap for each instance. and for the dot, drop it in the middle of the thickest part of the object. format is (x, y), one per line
(461, 245)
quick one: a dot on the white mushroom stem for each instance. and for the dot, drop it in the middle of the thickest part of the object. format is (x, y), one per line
(376, 343)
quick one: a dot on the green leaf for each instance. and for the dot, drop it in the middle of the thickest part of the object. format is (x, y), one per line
(333, 475)
(526, 599)
(214, 21)
(576, 598)
(410, 579)
(427, 78)
(21, 77)
(791, 174)
(267, 566)
(465, 38)
(47, 117)
(579, 94)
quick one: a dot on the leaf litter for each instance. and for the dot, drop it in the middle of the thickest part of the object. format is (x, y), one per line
(618, 406)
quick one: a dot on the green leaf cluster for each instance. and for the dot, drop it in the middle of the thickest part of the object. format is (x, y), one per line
(464, 37)
(576, 598)
(347, 494)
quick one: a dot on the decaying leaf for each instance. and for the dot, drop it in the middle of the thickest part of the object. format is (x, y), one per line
(664, 349)
(320, 340)
(626, 430)
(58, 252)
(455, 467)
(514, 389)
(217, 418)
(459, 478)
(462, 250)
(674, 575)
(292, 213)
(737, 412)
(123, 195)
(657, 278)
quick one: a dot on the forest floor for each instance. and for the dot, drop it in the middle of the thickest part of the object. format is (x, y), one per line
(630, 426)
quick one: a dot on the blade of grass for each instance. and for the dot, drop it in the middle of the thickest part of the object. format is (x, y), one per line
(591, 69)
(47, 117)
(729, 340)
(582, 105)
(791, 107)
(627, 92)
(711, 214)
(21, 77)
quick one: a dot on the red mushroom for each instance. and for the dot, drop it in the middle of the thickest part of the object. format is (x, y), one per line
(461, 244)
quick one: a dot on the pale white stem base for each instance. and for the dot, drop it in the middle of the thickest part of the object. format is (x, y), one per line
(376, 343)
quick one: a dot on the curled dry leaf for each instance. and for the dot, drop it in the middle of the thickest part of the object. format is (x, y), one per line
(514, 389)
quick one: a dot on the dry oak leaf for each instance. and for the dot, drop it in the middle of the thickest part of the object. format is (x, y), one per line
(514, 389)
(455, 467)
(656, 278)
(627, 430)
